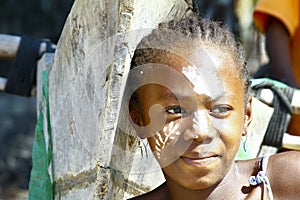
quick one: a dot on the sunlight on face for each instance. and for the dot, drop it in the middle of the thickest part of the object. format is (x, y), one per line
(191, 113)
(195, 77)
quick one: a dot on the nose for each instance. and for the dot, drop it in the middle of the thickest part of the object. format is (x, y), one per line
(201, 123)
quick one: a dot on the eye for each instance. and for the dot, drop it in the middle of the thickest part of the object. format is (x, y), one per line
(220, 110)
(173, 110)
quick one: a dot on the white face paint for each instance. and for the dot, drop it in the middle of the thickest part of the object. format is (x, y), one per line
(196, 78)
(201, 122)
(203, 74)
(169, 135)
(172, 140)
(206, 84)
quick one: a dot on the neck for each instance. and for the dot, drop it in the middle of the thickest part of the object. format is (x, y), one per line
(227, 188)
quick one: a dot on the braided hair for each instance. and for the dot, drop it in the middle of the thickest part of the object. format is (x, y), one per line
(195, 30)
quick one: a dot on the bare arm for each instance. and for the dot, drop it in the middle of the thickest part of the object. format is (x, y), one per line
(284, 175)
(277, 45)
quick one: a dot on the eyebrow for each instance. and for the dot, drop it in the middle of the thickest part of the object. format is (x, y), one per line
(172, 95)
(168, 94)
(225, 96)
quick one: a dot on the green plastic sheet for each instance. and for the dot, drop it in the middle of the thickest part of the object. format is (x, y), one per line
(40, 186)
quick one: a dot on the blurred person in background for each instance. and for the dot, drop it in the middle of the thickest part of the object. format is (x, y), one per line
(280, 21)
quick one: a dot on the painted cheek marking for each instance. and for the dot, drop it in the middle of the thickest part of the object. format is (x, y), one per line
(159, 137)
(160, 143)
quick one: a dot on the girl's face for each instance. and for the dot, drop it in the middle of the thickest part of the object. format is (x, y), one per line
(194, 114)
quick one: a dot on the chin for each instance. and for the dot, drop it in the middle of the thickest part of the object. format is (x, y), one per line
(194, 183)
(199, 185)
(192, 177)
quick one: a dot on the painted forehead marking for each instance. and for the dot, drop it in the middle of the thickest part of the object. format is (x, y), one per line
(196, 78)
(205, 79)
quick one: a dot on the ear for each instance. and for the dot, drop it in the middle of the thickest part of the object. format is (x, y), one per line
(248, 115)
(136, 119)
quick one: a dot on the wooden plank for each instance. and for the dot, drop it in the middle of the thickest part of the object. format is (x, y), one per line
(2, 83)
(9, 45)
(267, 97)
(90, 66)
(291, 142)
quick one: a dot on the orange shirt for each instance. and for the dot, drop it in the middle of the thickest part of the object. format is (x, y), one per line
(288, 12)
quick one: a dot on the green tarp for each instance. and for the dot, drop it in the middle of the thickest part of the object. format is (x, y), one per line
(40, 186)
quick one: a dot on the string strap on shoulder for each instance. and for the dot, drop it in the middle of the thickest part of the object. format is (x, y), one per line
(261, 176)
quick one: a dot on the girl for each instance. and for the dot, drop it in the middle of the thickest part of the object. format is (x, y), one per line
(190, 99)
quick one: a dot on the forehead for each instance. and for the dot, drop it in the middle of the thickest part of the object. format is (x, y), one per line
(193, 71)
(204, 55)
(208, 69)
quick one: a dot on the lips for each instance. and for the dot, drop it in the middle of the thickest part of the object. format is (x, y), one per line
(200, 161)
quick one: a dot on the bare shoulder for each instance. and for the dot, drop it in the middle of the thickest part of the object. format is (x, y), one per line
(285, 162)
(283, 172)
(160, 193)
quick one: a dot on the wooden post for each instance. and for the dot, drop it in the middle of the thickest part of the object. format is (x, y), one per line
(85, 90)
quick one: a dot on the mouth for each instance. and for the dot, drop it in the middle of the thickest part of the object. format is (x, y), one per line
(200, 161)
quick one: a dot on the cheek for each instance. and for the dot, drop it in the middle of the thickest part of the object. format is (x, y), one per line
(169, 144)
(169, 134)
(176, 135)
(231, 132)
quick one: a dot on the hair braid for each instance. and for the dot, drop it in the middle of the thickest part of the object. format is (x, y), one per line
(192, 28)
